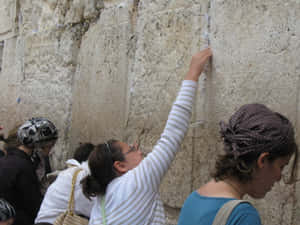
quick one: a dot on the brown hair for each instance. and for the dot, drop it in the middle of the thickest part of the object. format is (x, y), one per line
(83, 151)
(252, 130)
(12, 139)
(101, 162)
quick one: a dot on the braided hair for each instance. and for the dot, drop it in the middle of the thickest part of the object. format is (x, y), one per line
(252, 130)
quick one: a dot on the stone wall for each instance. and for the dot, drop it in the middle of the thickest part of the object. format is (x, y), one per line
(112, 68)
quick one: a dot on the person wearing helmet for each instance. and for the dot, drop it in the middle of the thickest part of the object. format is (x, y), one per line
(19, 182)
(39, 157)
(7, 213)
(39, 134)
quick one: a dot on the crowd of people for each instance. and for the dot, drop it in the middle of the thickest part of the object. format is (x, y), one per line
(113, 183)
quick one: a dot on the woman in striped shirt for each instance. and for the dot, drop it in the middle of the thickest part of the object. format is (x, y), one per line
(125, 183)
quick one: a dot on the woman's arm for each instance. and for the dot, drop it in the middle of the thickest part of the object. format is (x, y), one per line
(149, 172)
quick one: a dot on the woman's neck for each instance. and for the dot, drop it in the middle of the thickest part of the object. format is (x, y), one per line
(223, 189)
(237, 189)
(28, 151)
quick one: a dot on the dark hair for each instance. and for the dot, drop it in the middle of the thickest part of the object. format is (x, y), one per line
(101, 162)
(12, 139)
(252, 130)
(83, 151)
(7, 211)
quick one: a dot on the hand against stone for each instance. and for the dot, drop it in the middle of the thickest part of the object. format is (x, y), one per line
(197, 64)
(1, 127)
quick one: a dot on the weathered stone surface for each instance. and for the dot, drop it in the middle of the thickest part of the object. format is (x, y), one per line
(100, 85)
(41, 64)
(102, 69)
(83, 9)
(157, 5)
(295, 211)
(1, 53)
(8, 19)
(9, 85)
(254, 46)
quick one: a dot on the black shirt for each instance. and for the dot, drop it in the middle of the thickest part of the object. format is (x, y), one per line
(1, 153)
(20, 186)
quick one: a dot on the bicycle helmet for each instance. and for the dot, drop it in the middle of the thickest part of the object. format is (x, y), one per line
(37, 130)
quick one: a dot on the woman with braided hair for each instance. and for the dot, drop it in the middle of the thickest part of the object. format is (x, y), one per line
(258, 144)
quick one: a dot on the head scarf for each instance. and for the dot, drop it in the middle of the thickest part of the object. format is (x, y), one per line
(255, 128)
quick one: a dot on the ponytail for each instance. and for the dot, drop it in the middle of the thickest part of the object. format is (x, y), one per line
(101, 162)
(91, 187)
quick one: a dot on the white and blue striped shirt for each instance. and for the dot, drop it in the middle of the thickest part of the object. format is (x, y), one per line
(133, 198)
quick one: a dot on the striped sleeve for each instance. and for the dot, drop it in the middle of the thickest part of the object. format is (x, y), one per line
(151, 170)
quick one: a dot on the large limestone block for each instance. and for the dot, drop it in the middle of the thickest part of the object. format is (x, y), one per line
(11, 62)
(10, 77)
(48, 48)
(100, 85)
(8, 19)
(46, 78)
(41, 57)
(255, 55)
(165, 43)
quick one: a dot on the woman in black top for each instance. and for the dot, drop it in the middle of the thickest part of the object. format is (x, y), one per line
(19, 182)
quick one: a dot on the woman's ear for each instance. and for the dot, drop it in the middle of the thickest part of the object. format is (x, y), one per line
(262, 159)
(120, 167)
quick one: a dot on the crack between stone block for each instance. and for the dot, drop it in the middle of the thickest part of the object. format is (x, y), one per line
(134, 13)
(83, 28)
(208, 71)
(208, 22)
(131, 52)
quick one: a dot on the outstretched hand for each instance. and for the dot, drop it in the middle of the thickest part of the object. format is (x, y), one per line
(197, 64)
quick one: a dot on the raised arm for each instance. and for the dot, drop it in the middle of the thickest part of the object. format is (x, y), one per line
(151, 170)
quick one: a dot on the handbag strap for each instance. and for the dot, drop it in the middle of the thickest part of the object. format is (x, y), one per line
(225, 211)
(71, 204)
(103, 210)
